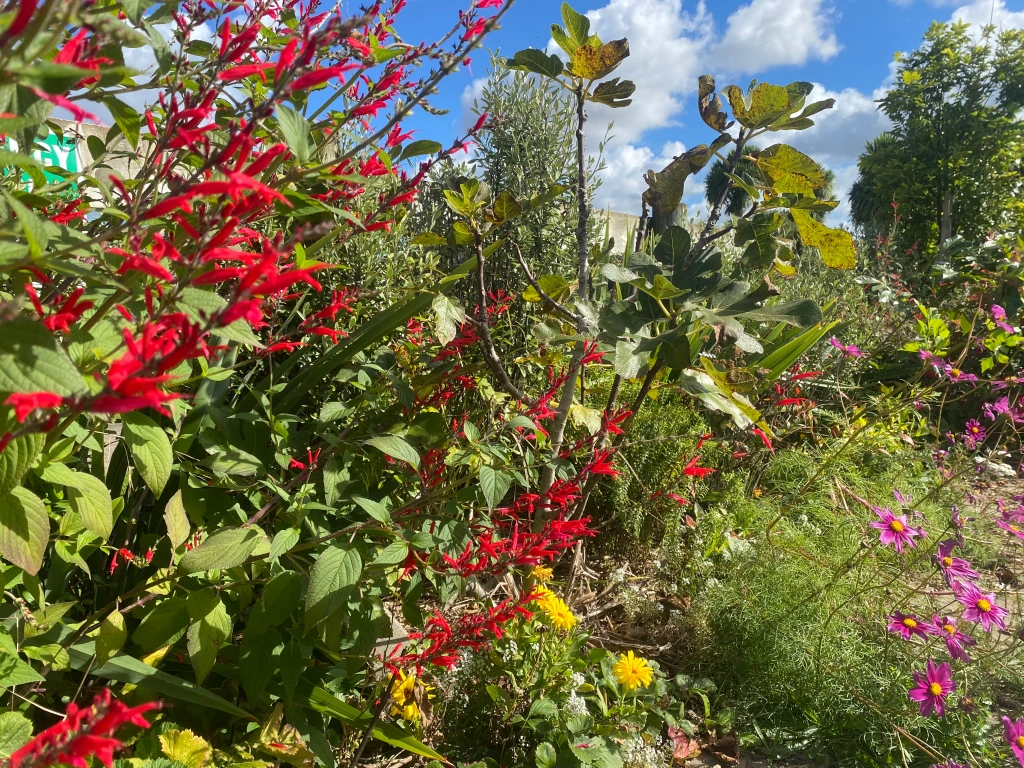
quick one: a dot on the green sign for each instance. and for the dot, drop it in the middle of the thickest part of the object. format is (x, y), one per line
(54, 150)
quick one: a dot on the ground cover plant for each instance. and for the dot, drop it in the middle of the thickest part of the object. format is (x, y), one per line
(282, 481)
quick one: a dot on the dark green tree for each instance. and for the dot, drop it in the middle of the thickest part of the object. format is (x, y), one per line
(952, 161)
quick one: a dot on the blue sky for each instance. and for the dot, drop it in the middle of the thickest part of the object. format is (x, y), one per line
(845, 47)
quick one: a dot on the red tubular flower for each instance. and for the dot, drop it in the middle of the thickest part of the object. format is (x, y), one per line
(764, 438)
(79, 114)
(21, 19)
(319, 76)
(479, 123)
(692, 470)
(25, 403)
(83, 733)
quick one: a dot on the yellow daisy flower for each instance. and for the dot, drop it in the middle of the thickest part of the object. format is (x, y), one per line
(557, 612)
(632, 671)
(542, 574)
(403, 696)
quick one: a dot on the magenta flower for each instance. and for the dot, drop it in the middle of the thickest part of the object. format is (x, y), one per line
(953, 568)
(945, 627)
(1005, 382)
(848, 350)
(1014, 734)
(930, 357)
(957, 376)
(981, 608)
(999, 318)
(974, 434)
(950, 764)
(907, 627)
(1011, 520)
(895, 529)
(933, 687)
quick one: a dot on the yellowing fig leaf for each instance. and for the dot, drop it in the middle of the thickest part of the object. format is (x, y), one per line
(592, 63)
(186, 748)
(835, 245)
(761, 107)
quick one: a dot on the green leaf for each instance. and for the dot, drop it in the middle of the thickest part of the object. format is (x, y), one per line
(545, 756)
(836, 246)
(542, 708)
(31, 360)
(15, 732)
(495, 484)
(176, 520)
(280, 599)
(150, 449)
(394, 553)
(333, 575)
(256, 660)
(126, 118)
(789, 170)
(614, 93)
(210, 626)
(395, 447)
(673, 247)
(421, 147)
(429, 238)
(618, 274)
(374, 509)
(14, 671)
(538, 62)
(24, 529)
(761, 107)
(576, 24)
(111, 637)
(295, 131)
(88, 496)
(126, 669)
(17, 458)
(226, 548)
(448, 316)
(563, 40)
(183, 747)
(283, 542)
(555, 286)
(162, 626)
(234, 461)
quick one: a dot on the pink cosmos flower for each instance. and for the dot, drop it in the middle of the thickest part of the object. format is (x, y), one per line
(848, 350)
(957, 376)
(1011, 520)
(932, 689)
(999, 318)
(896, 531)
(974, 434)
(1014, 734)
(981, 607)
(945, 627)
(908, 627)
(953, 568)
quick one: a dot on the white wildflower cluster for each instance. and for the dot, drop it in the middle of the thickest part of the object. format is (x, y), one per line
(509, 651)
(575, 705)
(577, 680)
(638, 753)
(618, 575)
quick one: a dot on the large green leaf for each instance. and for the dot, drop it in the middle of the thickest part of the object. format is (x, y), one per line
(226, 548)
(178, 526)
(537, 62)
(164, 625)
(31, 360)
(126, 669)
(150, 449)
(17, 458)
(88, 495)
(495, 484)
(333, 575)
(760, 107)
(14, 671)
(210, 626)
(111, 637)
(295, 130)
(395, 447)
(782, 358)
(24, 529)
(614, 93)
(15, 732)
(126, 118)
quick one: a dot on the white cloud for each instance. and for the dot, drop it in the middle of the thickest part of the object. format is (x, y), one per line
(667, 53)
(982, 12)
(845, 176)
(623, 175)
(770, 33)
(839, 134)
